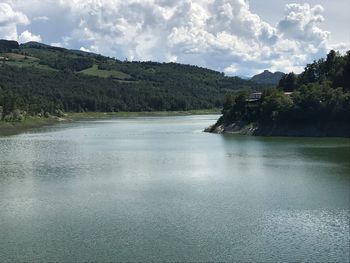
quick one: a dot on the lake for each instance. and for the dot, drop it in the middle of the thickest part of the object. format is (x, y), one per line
(160, 189)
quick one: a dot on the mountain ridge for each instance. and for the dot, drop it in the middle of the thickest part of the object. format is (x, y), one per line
(268, 78)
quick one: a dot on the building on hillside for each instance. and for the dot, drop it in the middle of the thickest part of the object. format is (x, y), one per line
(256, 96)
(253, 97)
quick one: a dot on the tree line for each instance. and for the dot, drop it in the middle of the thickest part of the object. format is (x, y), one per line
(28, 89)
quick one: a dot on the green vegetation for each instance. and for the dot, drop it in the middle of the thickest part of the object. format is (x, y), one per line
(7, 46)
(40, 80)
(57, 58)
(95, 71)
(318, 97)
(19, 60)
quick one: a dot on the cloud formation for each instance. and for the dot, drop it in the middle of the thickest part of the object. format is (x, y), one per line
(220, 34)
(9, 19)
(26, 36)
(301, 23)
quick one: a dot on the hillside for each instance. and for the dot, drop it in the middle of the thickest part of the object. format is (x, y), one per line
(36, 78)
(268, 78)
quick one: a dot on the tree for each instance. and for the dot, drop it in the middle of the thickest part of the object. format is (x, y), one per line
(275, 106)
(288, 82)
(345, 77)
(229, 100)
(330, 63)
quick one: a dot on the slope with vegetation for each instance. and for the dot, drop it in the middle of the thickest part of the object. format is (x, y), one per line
(37, 79)
(314, 103)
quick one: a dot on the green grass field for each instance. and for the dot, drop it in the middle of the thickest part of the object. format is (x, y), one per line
(19, 60)
(26, 64)
(94, 71)
(19, 57)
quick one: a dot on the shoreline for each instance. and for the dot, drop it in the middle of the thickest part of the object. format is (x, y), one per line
(328, 130)
(13, 128)
(125, 114)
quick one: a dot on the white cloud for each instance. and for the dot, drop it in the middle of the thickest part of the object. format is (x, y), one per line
(64, 43)
(56, 44)
(301, 23)
(8, 15)
(9, 19)
(27, 36)
(84, 49)
(220, 34)
(41, 18)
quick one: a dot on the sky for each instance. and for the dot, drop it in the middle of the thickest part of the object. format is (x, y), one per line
(237, 37)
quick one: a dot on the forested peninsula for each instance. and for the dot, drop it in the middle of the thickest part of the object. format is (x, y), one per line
(313, 103)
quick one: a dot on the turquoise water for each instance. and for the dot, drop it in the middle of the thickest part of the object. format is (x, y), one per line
(159, 189)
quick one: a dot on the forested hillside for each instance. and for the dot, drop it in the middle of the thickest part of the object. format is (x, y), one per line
(40, 79)
(318, 99)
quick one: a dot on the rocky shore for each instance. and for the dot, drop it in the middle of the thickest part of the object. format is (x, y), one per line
(320, 130)
(233, 128)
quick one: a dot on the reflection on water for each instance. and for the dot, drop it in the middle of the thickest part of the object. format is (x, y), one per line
(159, 189)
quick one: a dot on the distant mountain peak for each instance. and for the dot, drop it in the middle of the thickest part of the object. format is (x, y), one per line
(267, 77)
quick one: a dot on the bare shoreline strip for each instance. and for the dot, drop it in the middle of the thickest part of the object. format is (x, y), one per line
(12, 128)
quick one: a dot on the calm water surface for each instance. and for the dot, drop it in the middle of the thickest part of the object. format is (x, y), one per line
(159, 189)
